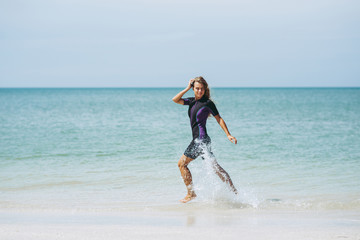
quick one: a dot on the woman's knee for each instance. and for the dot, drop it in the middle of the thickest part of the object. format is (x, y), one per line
(216, 165)
(180, 163)
(184, 161)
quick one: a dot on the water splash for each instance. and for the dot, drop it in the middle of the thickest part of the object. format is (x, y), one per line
(209, 183)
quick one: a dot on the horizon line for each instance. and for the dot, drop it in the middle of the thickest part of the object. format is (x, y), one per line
(133, 87)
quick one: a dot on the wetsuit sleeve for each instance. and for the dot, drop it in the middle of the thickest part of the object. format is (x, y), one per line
(213, 108)
(187, 101)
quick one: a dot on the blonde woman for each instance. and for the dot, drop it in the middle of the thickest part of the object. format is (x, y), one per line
(200, 107)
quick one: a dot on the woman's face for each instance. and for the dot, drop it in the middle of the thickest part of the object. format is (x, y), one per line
(199, 90)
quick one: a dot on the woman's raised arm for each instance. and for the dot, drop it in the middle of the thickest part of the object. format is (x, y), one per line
(177, 99)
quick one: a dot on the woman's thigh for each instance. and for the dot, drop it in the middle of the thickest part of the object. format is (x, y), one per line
(184, 160)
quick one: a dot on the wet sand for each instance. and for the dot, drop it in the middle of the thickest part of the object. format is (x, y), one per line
(244, 224)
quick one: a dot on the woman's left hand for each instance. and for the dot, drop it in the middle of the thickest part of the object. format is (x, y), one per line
(232, 139)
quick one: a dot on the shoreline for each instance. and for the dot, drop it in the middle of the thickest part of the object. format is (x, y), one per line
(160, 224)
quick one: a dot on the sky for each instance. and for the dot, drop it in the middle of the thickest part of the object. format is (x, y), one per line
(165, 43)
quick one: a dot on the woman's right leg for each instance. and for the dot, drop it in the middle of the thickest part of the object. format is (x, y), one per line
(186, 175)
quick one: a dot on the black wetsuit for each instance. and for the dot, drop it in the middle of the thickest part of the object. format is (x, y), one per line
(199, 111)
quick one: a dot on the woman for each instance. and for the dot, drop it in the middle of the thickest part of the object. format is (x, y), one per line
(200, 107)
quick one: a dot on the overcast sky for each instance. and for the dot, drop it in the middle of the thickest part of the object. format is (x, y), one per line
(164, 43)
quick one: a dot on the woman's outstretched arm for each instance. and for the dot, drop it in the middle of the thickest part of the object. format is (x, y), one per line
(224, 127)
(177, 99)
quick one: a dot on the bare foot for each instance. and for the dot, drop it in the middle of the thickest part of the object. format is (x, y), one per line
(188, 198)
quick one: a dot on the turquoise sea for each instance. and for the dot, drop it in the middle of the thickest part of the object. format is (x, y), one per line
(117, 149)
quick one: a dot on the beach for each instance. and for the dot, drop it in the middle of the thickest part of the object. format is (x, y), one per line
(102, 164)
(164, 225)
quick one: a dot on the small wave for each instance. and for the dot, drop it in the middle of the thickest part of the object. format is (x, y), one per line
(105, 154)
(36, 156)
(309, 204)
(42, 186)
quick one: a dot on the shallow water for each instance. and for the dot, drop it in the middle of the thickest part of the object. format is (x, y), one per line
(116, 149)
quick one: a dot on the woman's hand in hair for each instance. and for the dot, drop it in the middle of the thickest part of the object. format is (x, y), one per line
(191, 83)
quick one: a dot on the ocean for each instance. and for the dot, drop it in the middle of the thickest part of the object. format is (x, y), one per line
(117, 149)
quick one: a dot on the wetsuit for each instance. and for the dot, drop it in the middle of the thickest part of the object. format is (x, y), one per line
(198, 112)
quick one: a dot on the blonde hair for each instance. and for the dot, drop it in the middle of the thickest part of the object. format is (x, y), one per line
(201, 80)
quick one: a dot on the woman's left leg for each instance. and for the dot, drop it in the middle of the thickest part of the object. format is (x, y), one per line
(224, 176)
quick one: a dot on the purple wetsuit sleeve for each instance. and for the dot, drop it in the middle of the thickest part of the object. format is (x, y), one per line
(186, 101)
(213, 108)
